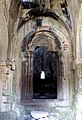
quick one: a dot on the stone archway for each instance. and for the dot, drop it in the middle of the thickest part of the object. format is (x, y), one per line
(52, 49)
(56, 41)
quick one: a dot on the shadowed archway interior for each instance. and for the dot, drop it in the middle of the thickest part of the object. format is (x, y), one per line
(44, 61)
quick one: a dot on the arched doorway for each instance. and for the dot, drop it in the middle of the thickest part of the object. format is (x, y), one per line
(45, 65)
(42, 55)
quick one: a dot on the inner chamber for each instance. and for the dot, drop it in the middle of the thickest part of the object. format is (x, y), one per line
(44, 73)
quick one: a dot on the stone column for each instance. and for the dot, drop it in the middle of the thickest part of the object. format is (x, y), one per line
(78, 89)
(4, 95)
(30, 74)
(1, 83)
(6, 76)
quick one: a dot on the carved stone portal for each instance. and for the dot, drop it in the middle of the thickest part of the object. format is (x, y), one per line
(42, 55)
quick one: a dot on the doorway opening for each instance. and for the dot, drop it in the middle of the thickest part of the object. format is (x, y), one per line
(45, 64)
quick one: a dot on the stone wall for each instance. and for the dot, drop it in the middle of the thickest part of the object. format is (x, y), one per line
(16, 25)
(79, 67)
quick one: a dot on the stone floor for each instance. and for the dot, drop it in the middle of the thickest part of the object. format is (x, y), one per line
(13, 116)
(8, 115)
(25, 114)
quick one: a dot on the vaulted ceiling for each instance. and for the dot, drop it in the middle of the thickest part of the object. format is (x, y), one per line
(66, 10)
